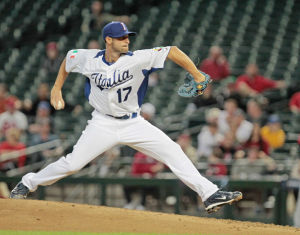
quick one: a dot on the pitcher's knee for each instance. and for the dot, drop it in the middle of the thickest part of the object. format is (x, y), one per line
(176, 147)
(173, 149)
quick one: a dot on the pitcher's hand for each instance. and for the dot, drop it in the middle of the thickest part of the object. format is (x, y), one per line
(56, 99)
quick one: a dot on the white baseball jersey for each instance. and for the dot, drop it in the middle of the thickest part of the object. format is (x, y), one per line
(116, 88)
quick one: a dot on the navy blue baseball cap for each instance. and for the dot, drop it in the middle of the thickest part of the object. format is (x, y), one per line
(274, 118)
(116, 29)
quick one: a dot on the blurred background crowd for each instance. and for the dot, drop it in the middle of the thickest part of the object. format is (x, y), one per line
(245, 126)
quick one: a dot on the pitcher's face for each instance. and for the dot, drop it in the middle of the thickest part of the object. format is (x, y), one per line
(121, 44)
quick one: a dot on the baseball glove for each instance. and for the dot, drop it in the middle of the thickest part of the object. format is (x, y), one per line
(191, 88)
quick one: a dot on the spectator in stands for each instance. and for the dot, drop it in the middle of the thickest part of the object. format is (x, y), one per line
(12, 117)
(217, 166)
(240, 127)
(295, 103)
(43, 112)
(272, 133)
(42, 115)
(12, 143)
(230, 108)
(53, 59)
(255, 113)
(30, 108)
(228, 147)
(142, 166)
(233, 120)
(252, 163)
(256, 140)
(216, 64)
(93, 44)
(209, 137)
(3, 97)
(44, 135)
(206, 99)
(99, 18)
(185, 142)
(252, 83)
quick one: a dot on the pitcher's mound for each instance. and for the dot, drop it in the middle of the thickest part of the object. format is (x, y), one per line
(59, 216)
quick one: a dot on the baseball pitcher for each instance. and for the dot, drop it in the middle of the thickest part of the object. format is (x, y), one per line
(116, 83)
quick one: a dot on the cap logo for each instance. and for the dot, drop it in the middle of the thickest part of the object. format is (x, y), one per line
(124, 27)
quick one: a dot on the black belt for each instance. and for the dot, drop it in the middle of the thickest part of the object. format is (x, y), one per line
(125, 117)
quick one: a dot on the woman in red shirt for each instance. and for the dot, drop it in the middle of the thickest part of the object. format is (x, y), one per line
(252, 83)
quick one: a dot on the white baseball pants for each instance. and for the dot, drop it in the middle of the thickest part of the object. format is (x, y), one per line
(103, 132)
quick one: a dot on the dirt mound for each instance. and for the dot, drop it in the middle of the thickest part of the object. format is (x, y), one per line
(60, 216)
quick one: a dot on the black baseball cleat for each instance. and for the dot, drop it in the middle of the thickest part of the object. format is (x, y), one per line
(221, 198)
(19, 192)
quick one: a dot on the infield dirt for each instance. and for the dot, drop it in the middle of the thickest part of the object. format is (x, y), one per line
(31, 215)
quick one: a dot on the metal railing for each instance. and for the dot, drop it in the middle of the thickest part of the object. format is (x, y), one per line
(29, 152)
